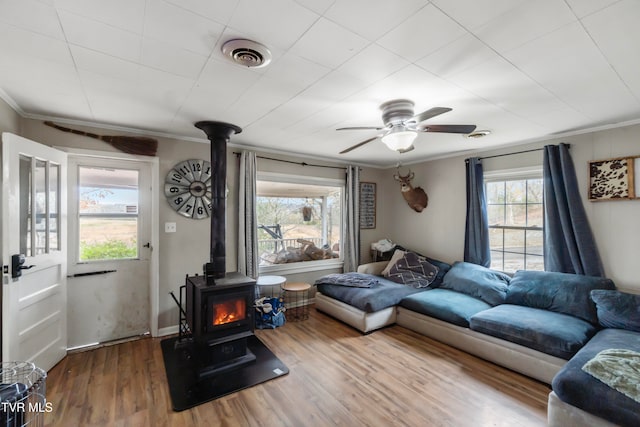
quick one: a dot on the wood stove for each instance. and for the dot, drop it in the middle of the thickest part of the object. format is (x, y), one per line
(219, 310)
(221, 317)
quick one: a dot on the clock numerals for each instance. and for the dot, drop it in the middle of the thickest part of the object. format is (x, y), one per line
(184, 168)
(196, 167)
(171, 190)
(200, 211)
(175, 178)
(187, 208)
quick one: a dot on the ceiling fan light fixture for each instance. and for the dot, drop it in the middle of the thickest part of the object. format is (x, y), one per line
(399, 138)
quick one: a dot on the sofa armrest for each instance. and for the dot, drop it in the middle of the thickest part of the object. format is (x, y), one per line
(374, 268)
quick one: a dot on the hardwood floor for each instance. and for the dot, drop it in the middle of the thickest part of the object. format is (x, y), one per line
(337, 377)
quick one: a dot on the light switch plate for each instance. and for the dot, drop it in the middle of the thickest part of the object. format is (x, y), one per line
(169, 227)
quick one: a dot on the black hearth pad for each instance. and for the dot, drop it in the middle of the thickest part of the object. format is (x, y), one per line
(186, 391)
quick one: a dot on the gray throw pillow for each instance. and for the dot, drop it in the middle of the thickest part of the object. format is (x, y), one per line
(618, 310)
(413, 270)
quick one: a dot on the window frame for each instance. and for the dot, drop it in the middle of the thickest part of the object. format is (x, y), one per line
(503, 175)
(306, 266)
(80, 159)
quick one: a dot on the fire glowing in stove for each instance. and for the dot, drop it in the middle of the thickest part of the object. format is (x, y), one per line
(229, 311)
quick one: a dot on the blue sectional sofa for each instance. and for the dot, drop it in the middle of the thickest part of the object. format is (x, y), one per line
(542, 324)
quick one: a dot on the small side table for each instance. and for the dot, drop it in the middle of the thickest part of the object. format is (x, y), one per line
(267, 286)
(296, 297)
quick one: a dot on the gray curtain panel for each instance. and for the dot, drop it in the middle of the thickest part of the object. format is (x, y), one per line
(476, 237)
(247, 226)
(351, 240)
(569, 245)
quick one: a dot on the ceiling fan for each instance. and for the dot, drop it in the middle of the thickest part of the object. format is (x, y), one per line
(401, 126)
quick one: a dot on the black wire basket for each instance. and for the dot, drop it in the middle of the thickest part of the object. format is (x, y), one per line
(22, 395)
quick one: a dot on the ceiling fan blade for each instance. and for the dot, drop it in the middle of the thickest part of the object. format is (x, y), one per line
(432, 112)
(361, 128)
(448, 128)
(353, 147)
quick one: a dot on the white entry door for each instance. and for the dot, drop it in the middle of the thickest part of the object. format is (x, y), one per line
(109, 249)
(34, 295)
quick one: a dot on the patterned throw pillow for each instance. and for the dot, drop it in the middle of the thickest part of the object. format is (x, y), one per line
(413, 270)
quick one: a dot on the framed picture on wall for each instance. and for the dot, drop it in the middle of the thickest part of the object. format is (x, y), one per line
(367, 205)
(613, 179)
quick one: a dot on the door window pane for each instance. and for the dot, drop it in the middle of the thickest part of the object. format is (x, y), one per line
(108, 213)
(54, 197)
(41, 207)
(25, 205)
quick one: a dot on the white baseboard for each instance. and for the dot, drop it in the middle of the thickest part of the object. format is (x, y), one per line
(169, 330)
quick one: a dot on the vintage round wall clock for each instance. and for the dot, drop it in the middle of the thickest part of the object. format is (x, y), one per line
(188, 188)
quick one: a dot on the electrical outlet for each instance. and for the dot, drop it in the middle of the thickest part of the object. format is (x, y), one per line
(169, 227)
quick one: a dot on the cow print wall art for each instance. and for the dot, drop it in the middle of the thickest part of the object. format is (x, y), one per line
(611, 179)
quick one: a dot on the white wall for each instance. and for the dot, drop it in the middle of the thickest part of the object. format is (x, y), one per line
(439, 230)
(9, 119)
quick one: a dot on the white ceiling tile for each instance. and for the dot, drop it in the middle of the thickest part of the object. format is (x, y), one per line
(109, 12)
(181, 28)
(160, 55)
(106, 65)
(526, 22)
(333, 87)
(16, 44)
(457, 56)
(372, 18)
(583, 8)
(619, 42)
(266, 23)
(203, 104)
(422, 34)
(571, 67)
(501, 83)
(372, 64)
(57, 82)
(296, 71)
(101, 37)
(219, 11)
(33, 16)
(472, 14)
(133, 103)
(260, 99)
(416, 84)
(226, 81)
(328, 44)
(318, 6)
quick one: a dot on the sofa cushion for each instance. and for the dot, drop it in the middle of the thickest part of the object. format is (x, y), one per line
(560, 292)
(379, 296)
(477, 281)
(413, 270)
(616, 309)
(552, 333)
(450, 306)
(576, 387)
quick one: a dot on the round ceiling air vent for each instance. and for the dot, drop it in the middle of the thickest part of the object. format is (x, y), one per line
(247, 53)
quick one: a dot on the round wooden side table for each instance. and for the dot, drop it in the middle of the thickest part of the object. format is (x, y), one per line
(296, 299)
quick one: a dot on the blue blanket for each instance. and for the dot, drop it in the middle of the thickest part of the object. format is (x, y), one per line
(354, 280)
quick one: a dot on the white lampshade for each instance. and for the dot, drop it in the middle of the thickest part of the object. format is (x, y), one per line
(399, 138)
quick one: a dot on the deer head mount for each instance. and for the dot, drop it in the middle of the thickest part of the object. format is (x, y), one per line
(416, 197)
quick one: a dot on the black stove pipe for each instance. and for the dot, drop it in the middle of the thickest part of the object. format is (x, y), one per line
(218, 133)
